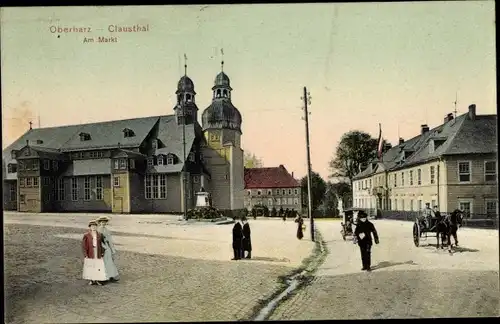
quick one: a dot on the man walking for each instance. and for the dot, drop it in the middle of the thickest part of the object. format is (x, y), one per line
(237, 240)
(363, 235)
(247, 239)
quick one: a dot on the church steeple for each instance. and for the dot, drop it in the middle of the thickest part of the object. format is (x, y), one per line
(222, 88)
(185, 108)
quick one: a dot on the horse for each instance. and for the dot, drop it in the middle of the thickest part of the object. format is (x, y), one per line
(447, 227)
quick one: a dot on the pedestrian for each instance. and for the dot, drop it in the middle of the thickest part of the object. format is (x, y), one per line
(109, 249)
(363, 235)
(93, 251)
(247, 239)
(300, 230)
(237, 239)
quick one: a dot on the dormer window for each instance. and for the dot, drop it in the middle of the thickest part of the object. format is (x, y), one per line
(170, 160)
(150, 162)
(160, 159)
(13, 154)
(154, 144)
(39, 141)
(12, 168)
(127, 132)
(84, 137)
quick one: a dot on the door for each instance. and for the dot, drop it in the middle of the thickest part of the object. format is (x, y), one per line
(118, 205)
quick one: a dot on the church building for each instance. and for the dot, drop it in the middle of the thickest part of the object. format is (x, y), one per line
(143, 165)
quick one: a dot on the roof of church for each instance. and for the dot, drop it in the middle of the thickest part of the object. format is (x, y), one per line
(461, 135)
(106, 135)
(276, 177)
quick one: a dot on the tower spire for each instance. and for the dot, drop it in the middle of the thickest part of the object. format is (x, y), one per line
(455, 104)
(222, 62)
(185, 64)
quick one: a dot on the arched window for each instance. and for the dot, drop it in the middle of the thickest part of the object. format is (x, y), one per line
(188, 97)
(218, 93)
(225, 93)
(179, 98)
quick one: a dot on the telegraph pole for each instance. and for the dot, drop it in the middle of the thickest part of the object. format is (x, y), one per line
(184, 180)
(307, 100)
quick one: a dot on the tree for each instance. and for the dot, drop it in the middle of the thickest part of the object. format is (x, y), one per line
(342, 190)
(355, 149)
(252, 161)
(318, 189)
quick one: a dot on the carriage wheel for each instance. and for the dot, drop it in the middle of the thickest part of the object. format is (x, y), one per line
(416, 234)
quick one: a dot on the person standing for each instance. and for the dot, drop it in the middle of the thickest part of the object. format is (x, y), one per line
(93, 251)
(109, 249)
(363, 235)
(300, 230)
(247, 240)
(237, 240)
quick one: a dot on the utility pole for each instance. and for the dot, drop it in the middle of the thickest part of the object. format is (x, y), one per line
(307, 100)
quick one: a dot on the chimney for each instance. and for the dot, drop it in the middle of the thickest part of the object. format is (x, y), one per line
(292, 175)
(27, 142)
(424, 128)
(472, 112)
(401, 140)
(448, 118)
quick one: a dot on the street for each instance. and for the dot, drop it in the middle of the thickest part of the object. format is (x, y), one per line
(406, 281)
(170, 270)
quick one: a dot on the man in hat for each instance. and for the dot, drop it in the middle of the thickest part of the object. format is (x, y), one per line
(237, 239)
(109, 249)
(247, 240)
(363, 234)
(93, 251)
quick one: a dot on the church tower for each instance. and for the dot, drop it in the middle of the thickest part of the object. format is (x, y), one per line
(221, 123)
(186, 111)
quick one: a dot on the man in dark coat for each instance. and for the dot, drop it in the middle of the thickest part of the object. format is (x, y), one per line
(237, 240)
(247, 240)
(363, 233)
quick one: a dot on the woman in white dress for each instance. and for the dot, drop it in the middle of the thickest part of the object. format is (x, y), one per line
(93, 251)
(109, 249)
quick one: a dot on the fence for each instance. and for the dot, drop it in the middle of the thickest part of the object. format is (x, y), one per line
(473, 220)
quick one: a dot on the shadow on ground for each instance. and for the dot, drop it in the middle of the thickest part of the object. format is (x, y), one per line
(455, 249)
(387, 264)
(254, 258)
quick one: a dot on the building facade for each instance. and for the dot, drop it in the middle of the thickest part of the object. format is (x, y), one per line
(142, 165)
(453, 165)
(272, 187)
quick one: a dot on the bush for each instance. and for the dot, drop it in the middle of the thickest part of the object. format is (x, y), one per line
(203, 213)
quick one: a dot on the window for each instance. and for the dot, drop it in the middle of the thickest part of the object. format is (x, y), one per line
(154, 144)
(60, 189)
(419, 177)
(289, 191)
(46, 181)
(283, 192)
(74, 189)
(132, 164)
(116, 181)
(433, 203)
(296, 191)
(12, 168)
(295, 201)
(490, 171)
(29, 182)
(419, 205)
(196, 179)
(411, 178)
(269, 192)
(191, 157)
(21, 182)
(432, 174)
(412, 207)
(290, 201)
(35, 164)
(270, 201)
(13, 192)
(55, 165)
(123, 164)
(402, 179)
(249, 192)
(84, 137)
(86, 188)
(156, 186)
(395, 180)
(170, 160)
(159, 159)
(464, 171)
(370, 183)
(93, 155)
(150, 162)
(465, 205)
(402, 204)
(100, 154)
(395, 204)
(116, 164)
(491, 208)
(278, 201)
(259, 192)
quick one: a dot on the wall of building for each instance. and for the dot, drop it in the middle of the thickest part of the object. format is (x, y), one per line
(274, 198)
(138, 201)
(121, 193)
(30, 199)
(81, 205)
(173, 201)
(219, 184)
(237, 176)
(10, 201)
(478, 191)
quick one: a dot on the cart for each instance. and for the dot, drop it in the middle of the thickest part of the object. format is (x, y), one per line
(349, 219)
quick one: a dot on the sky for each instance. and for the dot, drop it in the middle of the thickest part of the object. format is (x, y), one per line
(398, 64)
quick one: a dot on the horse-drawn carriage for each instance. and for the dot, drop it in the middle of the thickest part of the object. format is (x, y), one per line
(446, 225)
(349, 218)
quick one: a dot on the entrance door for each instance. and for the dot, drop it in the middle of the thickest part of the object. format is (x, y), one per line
(118, 205)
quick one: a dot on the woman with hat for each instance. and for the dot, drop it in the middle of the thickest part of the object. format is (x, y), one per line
(110, 251)
(93, 251)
